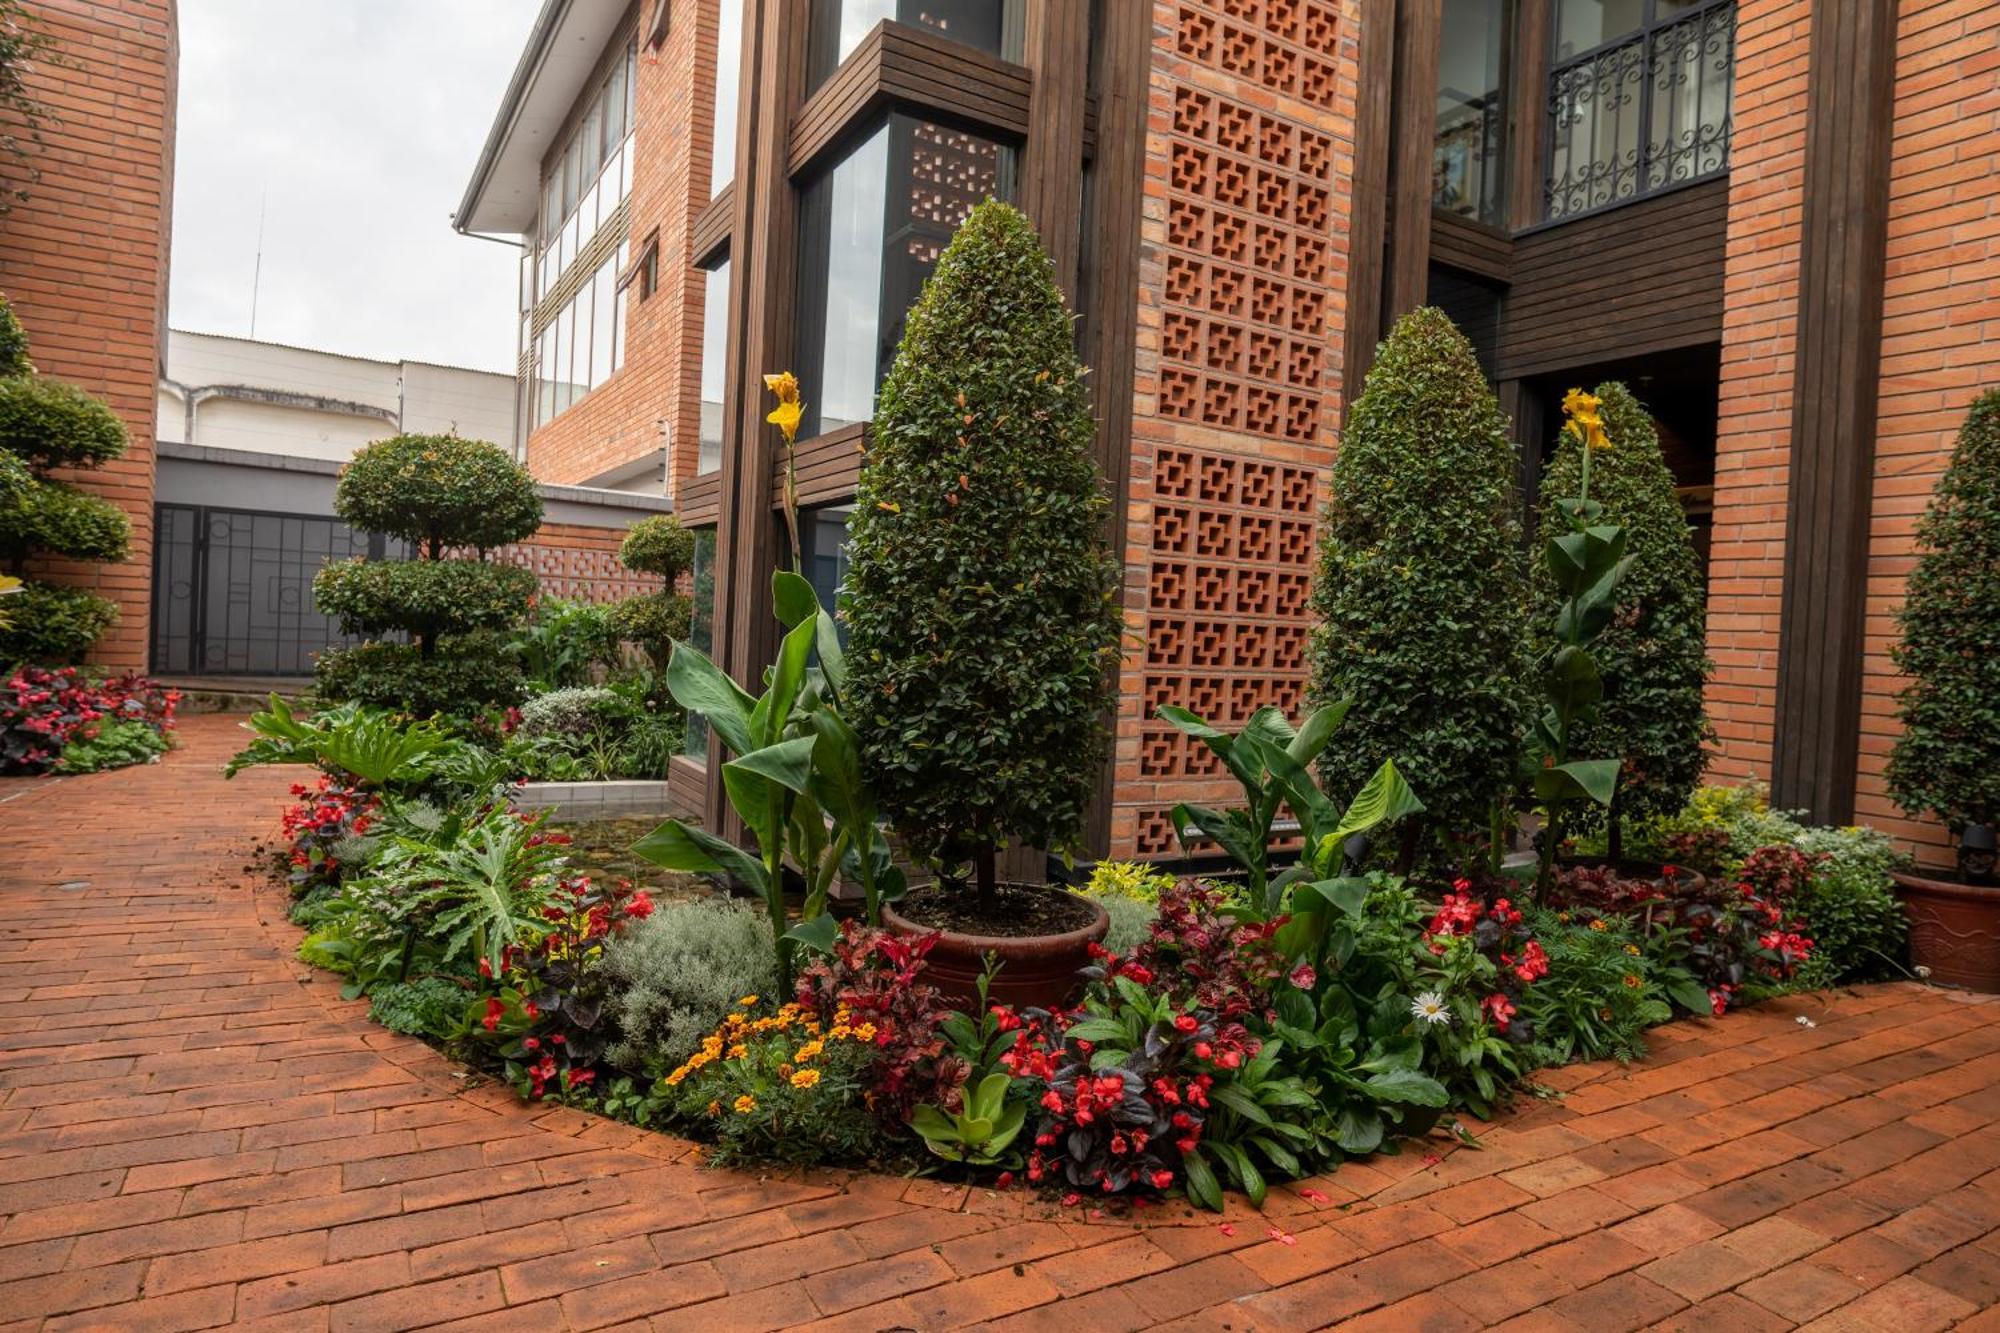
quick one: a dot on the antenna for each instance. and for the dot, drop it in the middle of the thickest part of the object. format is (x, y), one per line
(257, 270)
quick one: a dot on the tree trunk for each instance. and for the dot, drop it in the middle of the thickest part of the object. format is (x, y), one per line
(982, 864)
(1614, 837)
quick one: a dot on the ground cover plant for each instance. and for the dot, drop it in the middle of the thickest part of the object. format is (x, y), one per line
(65, 720)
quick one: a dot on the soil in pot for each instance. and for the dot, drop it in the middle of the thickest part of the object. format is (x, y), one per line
(1040, 936)
(1954, 929)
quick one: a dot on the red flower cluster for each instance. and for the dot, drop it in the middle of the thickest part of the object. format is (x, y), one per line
(879, 977)
(325, 814)
(41, 711)
(1493, 925)
(1203, 958)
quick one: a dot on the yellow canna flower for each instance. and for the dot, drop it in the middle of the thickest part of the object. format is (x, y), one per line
(1576, 400)
(805, 1078)
(786, 416)
(745, 1104)
(785, 384)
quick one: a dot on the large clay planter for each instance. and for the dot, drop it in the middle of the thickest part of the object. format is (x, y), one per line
(1035, 970)
(1954, 930)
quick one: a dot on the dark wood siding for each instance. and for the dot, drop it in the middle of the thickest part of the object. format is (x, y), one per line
(1643, 278)
(1464, 244)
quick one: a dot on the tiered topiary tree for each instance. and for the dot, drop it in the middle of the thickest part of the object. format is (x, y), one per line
(46, 424)
(980, 594)
(656, 620)
(1421, 594)
(1652, 656)
(443, 494)
(1947, 761)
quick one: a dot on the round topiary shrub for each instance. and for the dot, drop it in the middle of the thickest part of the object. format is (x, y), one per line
(426, 597)
(58, 519)
(655, 621)
(48, 423)
(1421, 594)
(472, 673)
(439, 491)
(1947, 761)
(1653, 656)
(981, 594)
(15, 478)
(52, 625)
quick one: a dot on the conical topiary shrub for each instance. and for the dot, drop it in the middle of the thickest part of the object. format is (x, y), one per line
(1653, 656)
(655, 620)
(980, 597)
(1420, 593)
(1947, 761)
(440, 493)
(47, 424)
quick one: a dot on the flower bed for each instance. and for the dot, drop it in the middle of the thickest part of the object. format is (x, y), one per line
(62, 720)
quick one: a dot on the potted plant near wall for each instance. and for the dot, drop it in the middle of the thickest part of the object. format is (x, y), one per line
(1947, 761)
(981, 609)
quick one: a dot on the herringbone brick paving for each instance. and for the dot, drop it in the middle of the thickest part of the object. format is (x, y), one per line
(195, 1131)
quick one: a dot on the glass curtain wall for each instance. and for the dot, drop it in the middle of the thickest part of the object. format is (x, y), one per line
(1469, 154)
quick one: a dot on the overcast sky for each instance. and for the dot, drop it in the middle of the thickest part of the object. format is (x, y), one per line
(356, 124)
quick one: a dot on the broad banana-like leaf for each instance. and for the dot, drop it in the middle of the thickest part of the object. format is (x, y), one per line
(700, 686)
(677, 846)
(1386, 797)
(1347, 894)
(788, 673)
(1227, 832)
(1245, 767)
(1316, 731)
(816, 933)
(793, 598)
(1579, 779)
(788, 763)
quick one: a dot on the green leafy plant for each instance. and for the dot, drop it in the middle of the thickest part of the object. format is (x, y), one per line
(472, 675)
(477, 889)
(1586, 562)
(992, 1105)
(54, 624)
(656, 621)
(426, 1007)
(1272, 763)
(116, 744)
(1420, 592)
(1947, 761)
(564, 644)
(980, 595)
(426, 597)
(673, 976)
(1651, 654)
(1602, 992)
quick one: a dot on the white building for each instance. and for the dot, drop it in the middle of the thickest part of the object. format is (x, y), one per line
(264, 397)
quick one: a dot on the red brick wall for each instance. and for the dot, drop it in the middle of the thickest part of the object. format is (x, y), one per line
(655, 395)
(1243, 261)
(1940, 328)
(84, 259)
(1759, 328)
(578, 563)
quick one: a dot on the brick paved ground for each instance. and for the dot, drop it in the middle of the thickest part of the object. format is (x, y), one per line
(194, 1131)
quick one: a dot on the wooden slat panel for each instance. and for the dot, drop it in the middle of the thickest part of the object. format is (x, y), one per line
(1368, 225)
(687, 785)
(1844, 231)
(1466, 244)
(712, 224)
(825, 468)
(1643, 278)
(1052, 167)
(696, 505)
(1413, 121)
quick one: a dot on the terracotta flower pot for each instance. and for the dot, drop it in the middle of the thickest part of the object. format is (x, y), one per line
(1035, 970)
(1954, 930)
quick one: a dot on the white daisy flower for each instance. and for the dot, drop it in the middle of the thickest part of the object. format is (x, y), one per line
(1430, 1007)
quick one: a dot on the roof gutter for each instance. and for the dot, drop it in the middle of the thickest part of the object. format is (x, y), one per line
(539, 39)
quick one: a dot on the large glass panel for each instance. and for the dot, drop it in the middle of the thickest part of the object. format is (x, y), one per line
(559, 361)
(993, 26)
(823, 546)
(1469, 158)
(701, 627)
(590, 141)
(728, 70)
(714, 365)
(603, 309)
(1584, 24)
(1692, 62)
(614, 107)
(545, 375)
(871, 232)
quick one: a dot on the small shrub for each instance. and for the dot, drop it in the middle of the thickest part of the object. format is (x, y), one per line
(114, 744)
(656, 621)
(1850, 907)
(51, 517)
(673, 977)
(48, 423)
(571, 714)
(465, 676)
(13, 343)
(45, 714)
(1128, 879)
(1420, 593)
(658, 545)
(54, 625)
(440, 491)
(1947, 761)
(877, 978)
(1600, 994)
(1131, 922)
(426, 1007)
(565, 643)
(425, 597)
(980, 595)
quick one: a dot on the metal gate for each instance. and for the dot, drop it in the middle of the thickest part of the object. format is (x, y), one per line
(232, 589)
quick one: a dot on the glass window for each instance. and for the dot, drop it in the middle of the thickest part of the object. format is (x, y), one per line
(728, 71)
(1469, 156)
(701, 627)
(603, 309)
(590, 141)
(1582, 25)
(871, 230)
(614, 108)
(714, 365)
(545, 375)
(993, 26)
(823, 546)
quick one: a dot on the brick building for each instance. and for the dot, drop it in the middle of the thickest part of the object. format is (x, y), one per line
(84, 257)
(1774, 219)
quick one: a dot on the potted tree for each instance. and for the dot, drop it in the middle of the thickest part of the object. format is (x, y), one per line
(981, 608)
(1651, 653)
(1947, 761)
(1420, 594)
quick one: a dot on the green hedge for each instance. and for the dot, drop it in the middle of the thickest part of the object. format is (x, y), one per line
(1947, 761)
(13, 343)
(440, 490)
(15, 478)
(53, 626)
(49, 423)
(61, 520)
(1421, 593)
(424, 597)
(465, 676)
(1653, 656)
(653, 621)
(658, 545)
(981, 597)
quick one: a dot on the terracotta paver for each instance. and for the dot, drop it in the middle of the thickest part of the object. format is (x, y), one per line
(196, 1131)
